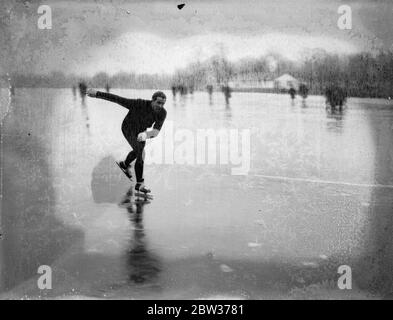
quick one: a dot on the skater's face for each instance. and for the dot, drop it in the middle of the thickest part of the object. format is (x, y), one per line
(158, 102)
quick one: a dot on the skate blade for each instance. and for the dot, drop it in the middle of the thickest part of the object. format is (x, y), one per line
(126, 174)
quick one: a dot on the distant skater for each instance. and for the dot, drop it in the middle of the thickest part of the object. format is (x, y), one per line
(303, 91)
(174, 89)
(209, 89)
(227, 93)
(292, 93)
(336, 96)
(142, 114)
(74, 91)
(82, 91)
(107, 88)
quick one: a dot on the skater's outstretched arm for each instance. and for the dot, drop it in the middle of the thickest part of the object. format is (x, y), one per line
(124, 102)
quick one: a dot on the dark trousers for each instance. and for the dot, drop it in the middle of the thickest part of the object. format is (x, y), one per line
(136, 153)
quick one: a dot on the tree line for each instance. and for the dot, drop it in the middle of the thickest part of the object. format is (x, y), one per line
(362, 75)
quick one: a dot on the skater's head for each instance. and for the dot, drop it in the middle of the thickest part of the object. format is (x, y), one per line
(158, 99)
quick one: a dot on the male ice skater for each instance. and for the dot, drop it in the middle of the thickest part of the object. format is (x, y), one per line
(142, 114)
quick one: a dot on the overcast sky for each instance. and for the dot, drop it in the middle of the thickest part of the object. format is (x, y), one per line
(155, 36)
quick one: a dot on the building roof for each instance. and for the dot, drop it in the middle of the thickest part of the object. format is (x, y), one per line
(285, 77)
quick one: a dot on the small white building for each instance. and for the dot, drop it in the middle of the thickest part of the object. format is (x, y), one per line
(286, 81)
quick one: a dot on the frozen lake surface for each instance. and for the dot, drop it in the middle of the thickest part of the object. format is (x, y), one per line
(313, 191)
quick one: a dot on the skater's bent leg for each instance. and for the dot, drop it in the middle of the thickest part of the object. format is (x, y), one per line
(136, 153)
(132, 155)
(139, 163)
(130, 158)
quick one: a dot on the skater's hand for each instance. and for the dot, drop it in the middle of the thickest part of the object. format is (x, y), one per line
(142, 136)
(91, 93)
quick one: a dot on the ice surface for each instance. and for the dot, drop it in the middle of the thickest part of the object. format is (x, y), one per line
(317, 183)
